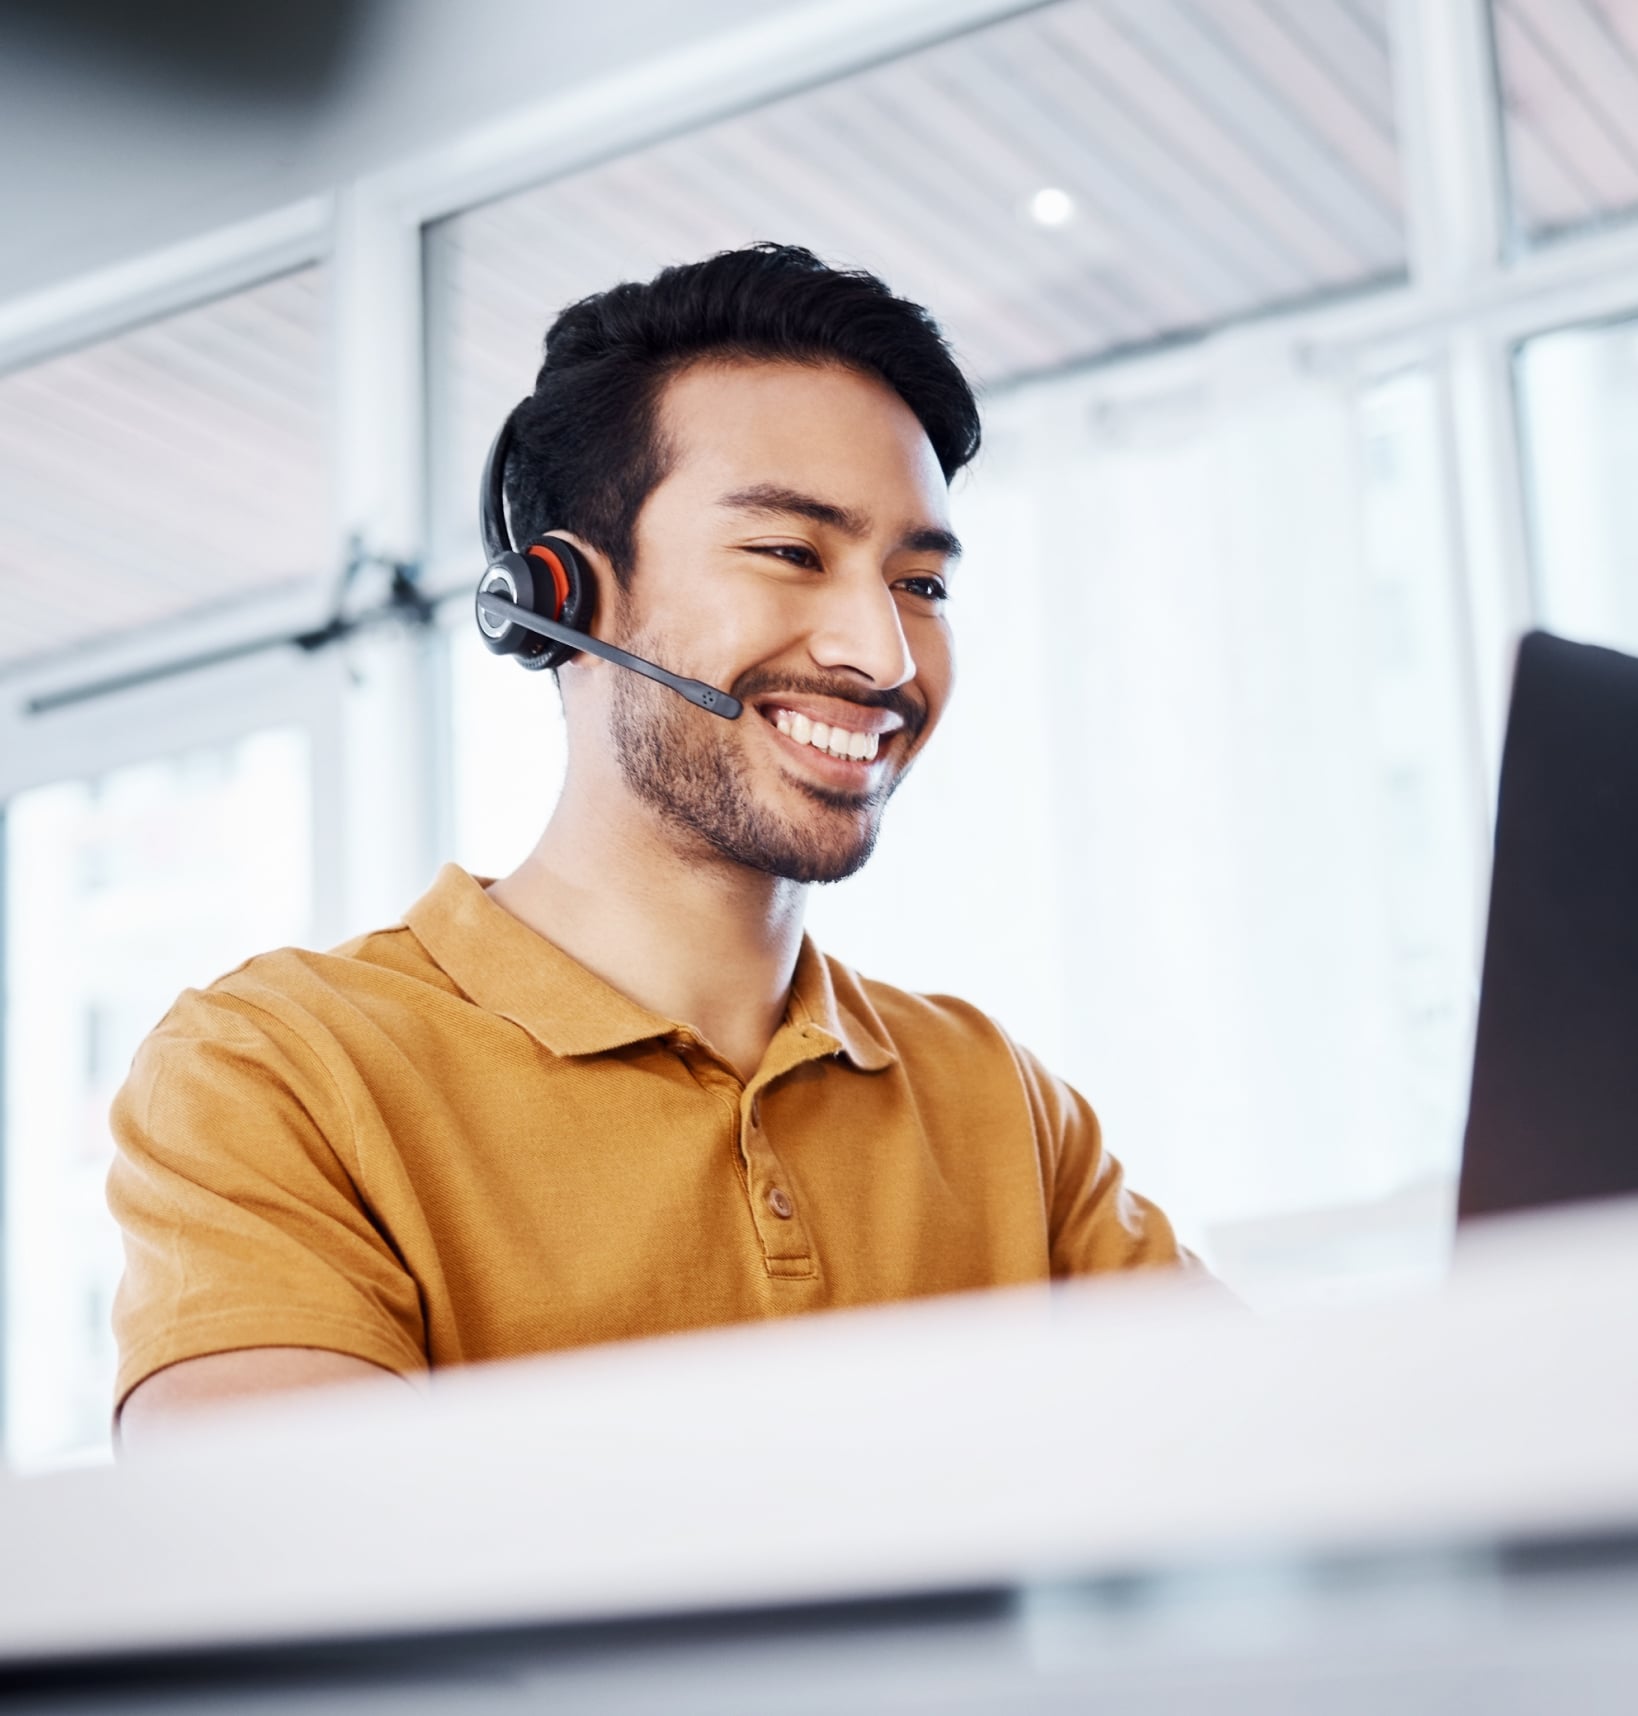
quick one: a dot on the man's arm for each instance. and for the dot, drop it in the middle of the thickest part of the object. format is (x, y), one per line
(1097, 1222)
(197, 1384)
(253, 1261)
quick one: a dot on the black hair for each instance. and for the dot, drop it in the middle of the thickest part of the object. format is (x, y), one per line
(587, 449)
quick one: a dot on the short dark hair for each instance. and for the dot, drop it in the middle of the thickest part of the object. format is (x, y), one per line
(587, 450)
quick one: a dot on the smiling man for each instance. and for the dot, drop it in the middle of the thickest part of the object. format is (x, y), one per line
(618, 1092)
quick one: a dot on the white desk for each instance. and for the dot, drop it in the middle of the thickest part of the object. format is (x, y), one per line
(1121, 1496)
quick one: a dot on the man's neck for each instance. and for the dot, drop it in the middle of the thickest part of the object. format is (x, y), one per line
(687, 934)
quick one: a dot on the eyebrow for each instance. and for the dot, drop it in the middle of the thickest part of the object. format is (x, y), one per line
(769, 500)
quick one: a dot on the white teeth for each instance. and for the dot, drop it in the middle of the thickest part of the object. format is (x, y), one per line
(833, 741)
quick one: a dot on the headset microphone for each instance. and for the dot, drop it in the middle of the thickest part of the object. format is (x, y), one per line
(537, 604)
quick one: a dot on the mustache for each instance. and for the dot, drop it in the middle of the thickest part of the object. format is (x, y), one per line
(760, 683)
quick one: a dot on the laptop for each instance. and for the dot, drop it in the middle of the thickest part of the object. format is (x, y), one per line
(1553, 1116)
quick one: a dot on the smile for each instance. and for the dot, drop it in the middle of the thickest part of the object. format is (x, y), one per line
(839, 742)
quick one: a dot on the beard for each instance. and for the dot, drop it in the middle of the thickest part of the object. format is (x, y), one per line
(685, 765)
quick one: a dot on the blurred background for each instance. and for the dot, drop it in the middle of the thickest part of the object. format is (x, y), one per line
(1307, 332)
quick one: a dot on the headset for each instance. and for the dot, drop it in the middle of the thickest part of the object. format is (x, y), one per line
(536, 604)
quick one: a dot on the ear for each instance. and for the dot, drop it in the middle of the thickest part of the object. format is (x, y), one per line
(602, 571)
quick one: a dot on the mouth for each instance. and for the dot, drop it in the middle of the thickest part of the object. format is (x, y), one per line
(845, 755)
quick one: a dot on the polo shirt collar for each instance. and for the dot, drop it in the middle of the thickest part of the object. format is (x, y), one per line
(849, 1024)
(507, 969)
(510, 970)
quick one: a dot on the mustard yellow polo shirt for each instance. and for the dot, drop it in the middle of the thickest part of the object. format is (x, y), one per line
(448, 1141)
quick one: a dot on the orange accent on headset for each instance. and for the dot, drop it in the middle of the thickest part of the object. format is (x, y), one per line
(560, 578)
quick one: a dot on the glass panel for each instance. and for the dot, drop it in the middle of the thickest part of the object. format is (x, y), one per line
(179, 466)
(1425, 749)
(1568, 71)
(120, 892)
(508, 751)
(1391, 828)
(1088, 177)
(1579, 424)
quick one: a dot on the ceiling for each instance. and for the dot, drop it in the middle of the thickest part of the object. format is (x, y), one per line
(203, 439)
(1569, 80)
(1222, 157)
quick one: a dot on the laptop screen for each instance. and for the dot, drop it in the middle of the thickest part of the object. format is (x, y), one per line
(1554, 1110)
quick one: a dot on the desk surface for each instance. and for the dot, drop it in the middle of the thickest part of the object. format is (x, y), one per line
(1078, 1455)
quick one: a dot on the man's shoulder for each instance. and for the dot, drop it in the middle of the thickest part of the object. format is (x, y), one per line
(304, 988)
(913, 1020)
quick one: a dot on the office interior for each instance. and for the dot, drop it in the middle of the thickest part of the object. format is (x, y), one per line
(1307, 340)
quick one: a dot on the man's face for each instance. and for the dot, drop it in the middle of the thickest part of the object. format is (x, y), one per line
(797, 555)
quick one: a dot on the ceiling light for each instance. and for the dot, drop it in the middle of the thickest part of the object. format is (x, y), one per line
(1052, 207)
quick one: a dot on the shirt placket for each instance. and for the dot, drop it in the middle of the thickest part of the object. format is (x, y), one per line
(775, 1206)
(787, 1249)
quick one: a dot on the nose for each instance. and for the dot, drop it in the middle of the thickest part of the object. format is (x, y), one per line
(860, 630)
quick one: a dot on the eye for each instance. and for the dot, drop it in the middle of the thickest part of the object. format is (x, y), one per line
(929, 588)
(792, 553)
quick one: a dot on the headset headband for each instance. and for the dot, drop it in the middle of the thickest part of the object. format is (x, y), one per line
(497, 538)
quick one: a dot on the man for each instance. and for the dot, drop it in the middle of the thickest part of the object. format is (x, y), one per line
(617, 1092)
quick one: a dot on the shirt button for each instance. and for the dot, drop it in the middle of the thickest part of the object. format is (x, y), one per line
(780, 1203)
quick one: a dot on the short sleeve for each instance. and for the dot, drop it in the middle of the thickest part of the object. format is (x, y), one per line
(1096, 1222)
(243, 1224)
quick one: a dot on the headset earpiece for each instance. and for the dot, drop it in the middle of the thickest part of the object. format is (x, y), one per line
(511, 576)
(548, 578)
(572, 581)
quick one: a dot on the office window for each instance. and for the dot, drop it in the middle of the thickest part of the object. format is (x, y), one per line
(1424, 741)
(507, 750)
(169, 471)
(120, 891)
(1578, 418)
(1361, 858)
(174, 469)
(1568, 71)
